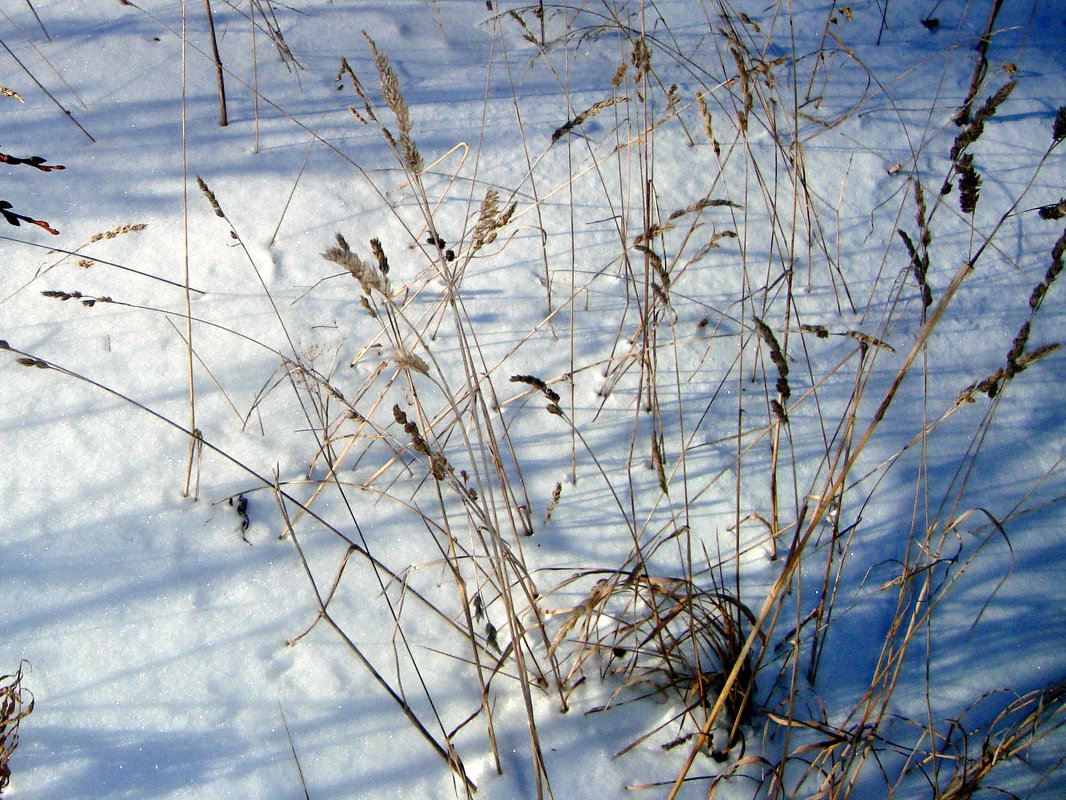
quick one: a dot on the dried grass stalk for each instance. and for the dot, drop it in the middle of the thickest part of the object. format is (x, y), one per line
(1017, 358)
(658, 229)
(993, 384)
(1009, 737)
(587, 114)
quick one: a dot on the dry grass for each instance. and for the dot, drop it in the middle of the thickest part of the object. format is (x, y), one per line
(16, 703)
(764, 414)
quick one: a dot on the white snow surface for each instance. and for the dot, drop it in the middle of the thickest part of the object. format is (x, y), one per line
(159, 634)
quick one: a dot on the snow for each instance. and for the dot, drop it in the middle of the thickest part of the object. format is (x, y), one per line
(164, 637)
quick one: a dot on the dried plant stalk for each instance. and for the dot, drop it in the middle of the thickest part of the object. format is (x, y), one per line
(16, 703)
(587, 114)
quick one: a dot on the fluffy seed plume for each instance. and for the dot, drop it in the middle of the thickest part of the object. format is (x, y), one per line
(411, 362)
(368, 275)
(64, 296)
(393, 97)
(657, 459)
(490, 220)
(438, 463)
(744, 76)
(641, 58)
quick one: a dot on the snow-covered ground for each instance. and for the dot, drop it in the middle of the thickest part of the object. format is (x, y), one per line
(692, 229)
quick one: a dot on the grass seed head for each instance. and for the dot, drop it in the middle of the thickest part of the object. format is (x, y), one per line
(210, 197)
(410, 362)
(368, 275)
(969, 186)
(1054, 211)
(1058, 128)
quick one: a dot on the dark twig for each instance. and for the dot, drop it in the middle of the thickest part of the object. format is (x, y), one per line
(223, 117)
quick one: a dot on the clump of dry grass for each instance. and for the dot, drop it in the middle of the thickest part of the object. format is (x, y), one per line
(666, 637)
(430, 436)
(16, 703)
(973, 752)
